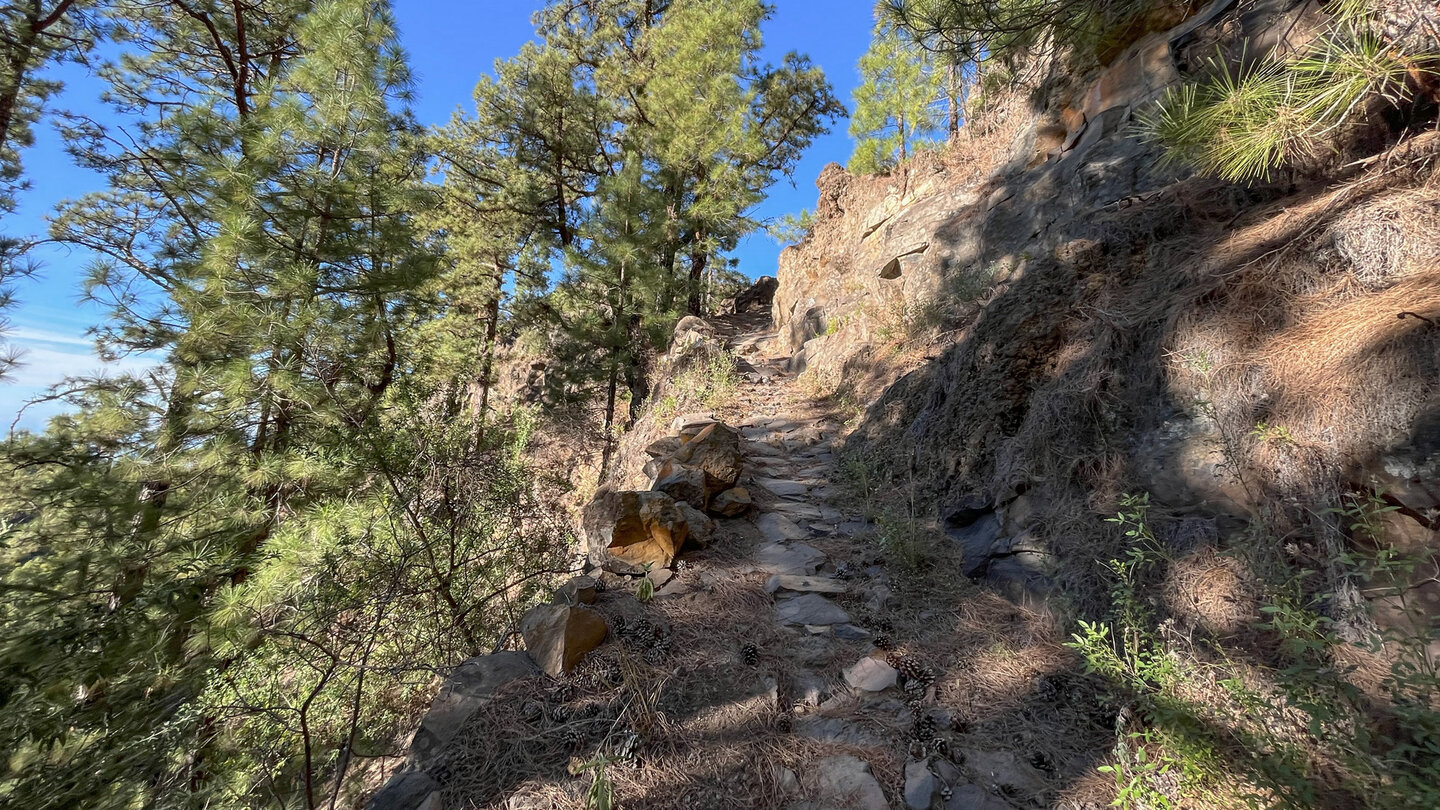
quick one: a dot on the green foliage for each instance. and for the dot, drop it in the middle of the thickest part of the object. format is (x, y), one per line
(37, 34)
(1244, 124)
(1225, 728)
(792, 229)
(710, 382)
(894, 102)
(230, 582)
(1011, 31)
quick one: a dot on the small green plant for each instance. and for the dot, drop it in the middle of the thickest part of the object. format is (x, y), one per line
(1361, 513)
(1272, 434)
(792, 229)
(645, 589)
(903, 539)
(863, 479)
(601, 794)
(1137, 774)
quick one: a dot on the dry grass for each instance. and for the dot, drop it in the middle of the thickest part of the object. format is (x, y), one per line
(1212, 592)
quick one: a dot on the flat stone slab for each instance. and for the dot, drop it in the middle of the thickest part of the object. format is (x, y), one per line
(783, 488)
(849, 632)
(871, 675)
(792, 558)
(799, 511)
(810, 609)
(801, 584)
(974, 797)
(920, 786)
(845, 782)
(777, 528)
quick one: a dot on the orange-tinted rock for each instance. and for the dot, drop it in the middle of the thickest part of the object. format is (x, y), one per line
(715, 450)
(625, 531)
(558, 636)
(733, 502)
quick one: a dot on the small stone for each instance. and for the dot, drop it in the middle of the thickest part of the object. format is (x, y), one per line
(849, 632)
(578, 591)
(691, 422)
(659, 576)
(920, 785)
(786, 781)
(878, 598)
(948, 772)
(791, 582)
(558, 636)
(810, 608)
(733, 502)
(818, 629)
(798, 511)
(777, 528)
(702, 528)
(871, 675)
(810, 689)
(675, 587)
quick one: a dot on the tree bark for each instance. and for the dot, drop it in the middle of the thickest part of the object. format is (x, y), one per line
(952, 93)
(699, 255)
(487, 362)
(19, 56)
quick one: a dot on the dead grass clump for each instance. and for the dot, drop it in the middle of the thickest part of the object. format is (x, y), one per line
(1328, 346)
(1212, 592)
(1391, 236)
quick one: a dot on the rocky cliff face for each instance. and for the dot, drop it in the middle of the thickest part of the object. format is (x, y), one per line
(1083, 320)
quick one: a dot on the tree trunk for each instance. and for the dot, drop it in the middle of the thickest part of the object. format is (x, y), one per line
(699, 255)
(636, 380)
(19, 54)
(610, 392)
(12, 75)
(487, 363)
(952, 93)
(613, 383)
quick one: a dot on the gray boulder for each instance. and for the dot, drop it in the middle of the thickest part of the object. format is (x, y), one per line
(469, 687)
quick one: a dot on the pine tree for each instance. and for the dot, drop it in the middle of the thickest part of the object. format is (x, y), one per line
(894, 103)
(35, 34)
(668, 102)
(259, 234)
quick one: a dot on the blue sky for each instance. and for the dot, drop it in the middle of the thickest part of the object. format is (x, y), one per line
(450, 43)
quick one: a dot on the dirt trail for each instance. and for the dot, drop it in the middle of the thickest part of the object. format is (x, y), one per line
(787, 665)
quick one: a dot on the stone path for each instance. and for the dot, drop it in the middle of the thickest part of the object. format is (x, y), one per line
(769, 653)
(829, 608)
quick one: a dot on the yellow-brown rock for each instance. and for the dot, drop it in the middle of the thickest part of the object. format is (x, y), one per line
(626, 531)
(733, 502)
(558, 636)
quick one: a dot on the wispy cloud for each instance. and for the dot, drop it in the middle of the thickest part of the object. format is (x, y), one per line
(23, 336)
(42, 367)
